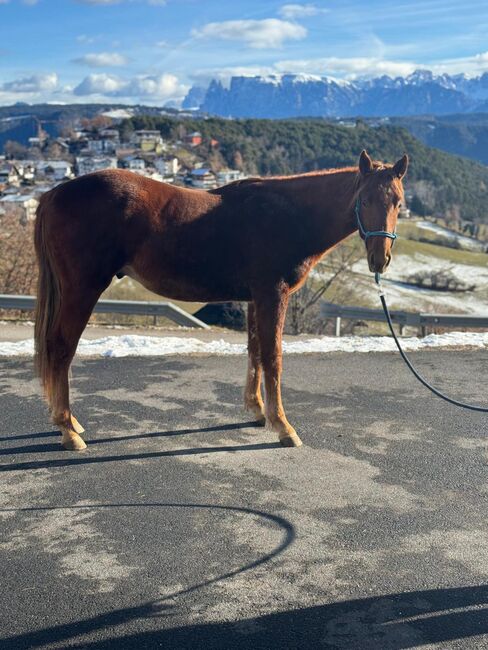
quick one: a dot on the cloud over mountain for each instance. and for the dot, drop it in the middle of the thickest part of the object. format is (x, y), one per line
(163, 87)
(32, 84)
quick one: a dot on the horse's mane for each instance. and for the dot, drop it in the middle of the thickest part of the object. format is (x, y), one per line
(343, 177)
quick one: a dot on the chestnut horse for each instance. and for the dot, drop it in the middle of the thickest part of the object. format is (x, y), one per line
(254, 240)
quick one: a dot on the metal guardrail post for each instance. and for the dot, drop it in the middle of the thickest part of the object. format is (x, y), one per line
(338, 326)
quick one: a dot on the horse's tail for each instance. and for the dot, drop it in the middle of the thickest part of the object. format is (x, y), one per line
(48, 299)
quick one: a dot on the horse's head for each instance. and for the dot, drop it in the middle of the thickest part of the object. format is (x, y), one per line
(379, 197)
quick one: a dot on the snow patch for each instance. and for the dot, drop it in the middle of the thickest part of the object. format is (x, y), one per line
(467, 242)
(133, 345)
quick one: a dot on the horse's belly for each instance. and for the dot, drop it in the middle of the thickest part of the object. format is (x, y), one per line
(176, 287)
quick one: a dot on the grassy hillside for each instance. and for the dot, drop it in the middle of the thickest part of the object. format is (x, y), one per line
(291, 146)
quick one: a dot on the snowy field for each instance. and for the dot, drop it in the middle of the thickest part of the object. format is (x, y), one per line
(468, 243)
(138, 346)
(401, 296)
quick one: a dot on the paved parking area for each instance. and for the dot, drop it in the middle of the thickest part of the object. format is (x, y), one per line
(184, 526)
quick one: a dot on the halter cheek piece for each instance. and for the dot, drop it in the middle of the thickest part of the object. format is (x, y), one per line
(366, 234)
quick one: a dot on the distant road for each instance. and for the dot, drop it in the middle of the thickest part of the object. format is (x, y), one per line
(183, 526)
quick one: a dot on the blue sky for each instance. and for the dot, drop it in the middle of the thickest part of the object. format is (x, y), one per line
(152, 51)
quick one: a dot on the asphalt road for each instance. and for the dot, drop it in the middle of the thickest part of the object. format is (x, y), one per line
(184, 526)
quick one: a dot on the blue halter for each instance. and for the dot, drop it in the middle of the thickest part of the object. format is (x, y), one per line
(366, 234)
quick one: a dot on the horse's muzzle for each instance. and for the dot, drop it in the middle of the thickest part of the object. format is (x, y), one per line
(378, 263)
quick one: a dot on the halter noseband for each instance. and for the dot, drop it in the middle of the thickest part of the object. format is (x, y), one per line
(366, 234)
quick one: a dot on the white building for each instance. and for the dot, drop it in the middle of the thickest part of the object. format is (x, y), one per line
(57, 170)
(134, 163)
(148, 140)
(203, 179)
(225, 176)
(9, 174)
(23, 202)
(88, 164)
(168, 167)
(102, 145)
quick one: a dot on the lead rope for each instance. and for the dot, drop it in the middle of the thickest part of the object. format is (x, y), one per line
(423, 381)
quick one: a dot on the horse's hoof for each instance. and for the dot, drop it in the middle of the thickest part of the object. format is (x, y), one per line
(291, 440)
(76, 425)
(73, 443)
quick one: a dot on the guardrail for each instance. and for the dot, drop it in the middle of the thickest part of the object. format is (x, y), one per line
(402, 318)
(129, 307)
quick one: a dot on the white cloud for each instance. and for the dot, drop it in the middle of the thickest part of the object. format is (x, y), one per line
(347, 68)
(293, 11)
(102, 59)
(162, 87)
(84, 38)
(471, 65)
(204, 76)
(99, 84)
(259, 34)
(350, 67)
(34, 84)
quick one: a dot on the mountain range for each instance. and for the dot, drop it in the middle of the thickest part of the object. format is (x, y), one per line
(300, 95)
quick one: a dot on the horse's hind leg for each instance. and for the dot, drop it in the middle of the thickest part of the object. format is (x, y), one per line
(73, 317)
(253, 402)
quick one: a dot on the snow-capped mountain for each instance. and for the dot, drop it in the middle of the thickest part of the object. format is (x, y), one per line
(297, 95)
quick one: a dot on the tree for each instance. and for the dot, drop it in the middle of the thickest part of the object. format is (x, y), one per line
(18, 268)
(417, 207)
(303, 311)
(15, 150)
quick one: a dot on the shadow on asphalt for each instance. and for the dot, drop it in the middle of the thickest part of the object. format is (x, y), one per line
(82, 459)
(67, 632)
(390, 622)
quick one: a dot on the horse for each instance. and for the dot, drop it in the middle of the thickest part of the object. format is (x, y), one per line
(254, 240)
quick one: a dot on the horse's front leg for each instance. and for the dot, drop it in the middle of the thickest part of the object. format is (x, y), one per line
(270, 315)
(253, 402)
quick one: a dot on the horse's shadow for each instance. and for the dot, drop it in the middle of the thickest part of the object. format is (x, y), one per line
(84, 458)
(390, 622)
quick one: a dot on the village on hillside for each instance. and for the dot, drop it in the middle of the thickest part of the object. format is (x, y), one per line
(27, 172)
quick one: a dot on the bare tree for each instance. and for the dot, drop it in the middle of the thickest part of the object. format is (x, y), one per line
(329, 276)
(18, 268)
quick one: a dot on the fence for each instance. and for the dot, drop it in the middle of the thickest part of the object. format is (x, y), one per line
(402, 318)
(130, 307)
(328, 310)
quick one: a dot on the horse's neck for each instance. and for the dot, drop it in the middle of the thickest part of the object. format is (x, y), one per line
(327, 202)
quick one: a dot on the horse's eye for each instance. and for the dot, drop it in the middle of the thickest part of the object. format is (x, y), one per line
(365, 203)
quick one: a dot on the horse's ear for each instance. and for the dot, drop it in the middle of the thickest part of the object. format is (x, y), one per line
(400, 167)
(365, 163)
